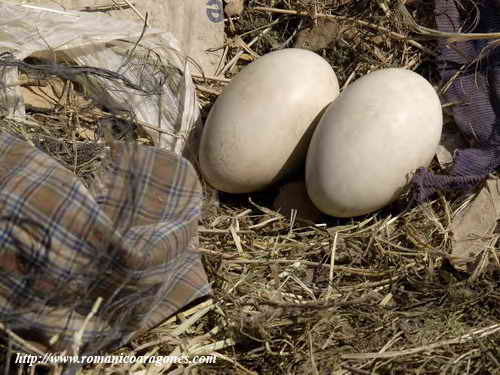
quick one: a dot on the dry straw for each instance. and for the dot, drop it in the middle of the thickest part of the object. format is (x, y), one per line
(364, 296)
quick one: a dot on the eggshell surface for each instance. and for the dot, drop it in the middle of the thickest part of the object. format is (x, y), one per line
(259, 129)
(371, 140)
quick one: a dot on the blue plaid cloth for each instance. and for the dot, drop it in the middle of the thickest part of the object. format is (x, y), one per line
(130, 239)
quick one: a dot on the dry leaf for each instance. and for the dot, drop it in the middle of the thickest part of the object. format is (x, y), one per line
(474, 226)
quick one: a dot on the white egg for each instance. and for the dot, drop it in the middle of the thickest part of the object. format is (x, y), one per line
(370, 141)
(259, 129)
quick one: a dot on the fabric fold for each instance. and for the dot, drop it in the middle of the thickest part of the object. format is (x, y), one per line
(474, 70)
(130, 239)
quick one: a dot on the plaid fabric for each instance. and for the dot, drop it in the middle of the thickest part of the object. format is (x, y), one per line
(130, 239)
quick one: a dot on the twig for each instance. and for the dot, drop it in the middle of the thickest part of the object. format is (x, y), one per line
(454, 37)
(233, 61)
(208, 90)
(314, 305)
(21, 341)
(221, 231)
(351, 270)
(311, 354)
(483, 332)
(216, 253)
(392, 34)
(190, 321)
(208, 349)
(79, 335)
(244, 213)
(263, 27)
(236, 239)
(264, 223)
(356, 370)
(210, 78)
(332, 266)
(117, 5)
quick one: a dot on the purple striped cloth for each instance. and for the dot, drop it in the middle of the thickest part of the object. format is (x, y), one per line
(476, 90)
(132, 243)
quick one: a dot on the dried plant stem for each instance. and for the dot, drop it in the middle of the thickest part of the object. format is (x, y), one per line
(79, 335)
(208, 90)
(392, 34)
(21, 341)
(235, 59)
(483, 332)
(190, 321)
(116, 5)
(210, 78)
(454, 37)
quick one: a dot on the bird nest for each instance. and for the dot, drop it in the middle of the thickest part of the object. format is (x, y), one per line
(376, 294)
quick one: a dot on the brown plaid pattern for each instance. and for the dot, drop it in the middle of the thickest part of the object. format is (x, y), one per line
(130, 239)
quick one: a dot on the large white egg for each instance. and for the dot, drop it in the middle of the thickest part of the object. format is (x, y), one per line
(370, 141)
(259, 129)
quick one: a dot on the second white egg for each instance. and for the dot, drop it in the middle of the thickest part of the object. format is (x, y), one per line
(370, 141)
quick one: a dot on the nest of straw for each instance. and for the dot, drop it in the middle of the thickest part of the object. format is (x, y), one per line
(372, 295)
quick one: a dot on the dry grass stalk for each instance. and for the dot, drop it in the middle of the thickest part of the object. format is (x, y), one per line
(429, 348)
(359, 296)
(432, 33)
(392, 34)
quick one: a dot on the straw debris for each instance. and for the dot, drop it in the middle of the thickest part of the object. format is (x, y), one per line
(374, 295)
